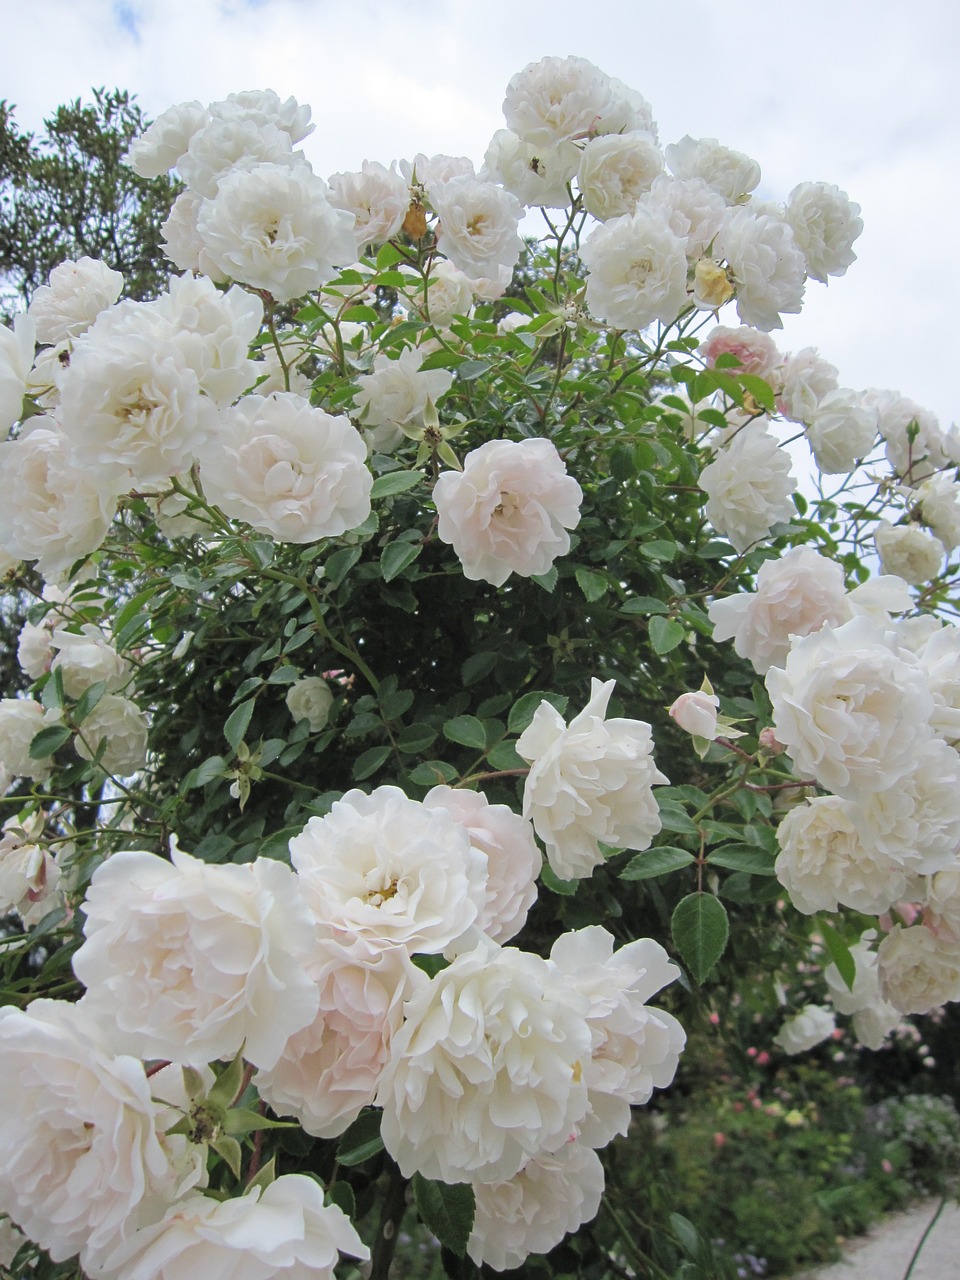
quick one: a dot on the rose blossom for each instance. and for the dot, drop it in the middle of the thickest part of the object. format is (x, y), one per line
(280, 1232)
(793, 595)
(161, 145)
(692, 210)
(636, 270)
(918, 969)
(34, 649)
(615, 171)
(478, 225)
(287, 468)
(310, 699)
(509, 510)
(538, 176)
(941, 912)
(28, 873)
(841, 431)
(263, 106)
(825, 224)
(916, 444)
(488, 1068)
(191, 961)
(513, 859)
(728, 172)
(908, 551)
(812, 1025)
(377, 197)
(221, 147)
(805, 379)
(590, 781)
(531, 1212)
(558, 99)
(445, 293)
(765, 264)
(21, 719)
(16, 360)
(390, 870)
(938, 499)
(87, 657)
(181, 241)
(755, 350)
(873, 1017)
(395, 396)
(75, 295)
(121, 724)
(748, 487)
(696, 713)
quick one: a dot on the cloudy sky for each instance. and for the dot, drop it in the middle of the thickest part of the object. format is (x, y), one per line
(860, 93)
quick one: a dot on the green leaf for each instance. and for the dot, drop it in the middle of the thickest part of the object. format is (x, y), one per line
(471, 369)
(700, 930)
(54, 696)
(48, 740)
(477, 666)
(395, 482)
(645, 605)
(228, 1149)
(367, 764)
(238, 722)
(592, 584)
(546, 580)
(839, 952)
(241, 1120)
(416, 738)
(266, 1175)
(338, 565)
(551, 881)
(341, 1194)
(658, 549)
(522, 711)
(504, 756)
(665, 633)
(432, 773)
(396, 556)
(742, 857)
(686, 1234)
(656, 862)
(447, 1209)
(673, 818)
(227, 1084)
(361, 1140)
(211, 768)
(388, 257)
(467, 730)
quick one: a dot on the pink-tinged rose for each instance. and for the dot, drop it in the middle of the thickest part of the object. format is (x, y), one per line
(756, 351)
(696, 713)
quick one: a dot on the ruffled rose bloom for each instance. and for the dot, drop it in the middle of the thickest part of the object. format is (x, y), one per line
(83, 1163)
(615, 170)
(478, 225)
(273, 227)
(190, 961)
(755, 351)
(513, 859)
(283, 1230)
(908, 552)
(21, 719)
(825, 223)
(120, 724)
(86, 657)
(75, 296)
(444, 294)
(730, 173)
(811, 1026)
(916, 444)
(161, 145)
(34, 649)
(919, 970)
(533, 1211)
(28, 875)
(636, 270)
(805, 378)
(310, 699)
(395, 396)
(181, 240)
(287, 468)
(748, 487)
(939, 656)
(636, 1047)
(329, 1071)
(263, 106)
(488, 1070)
(873, 1017)
(538, 176)
(765, 264)
(16, 360)
(590, 782)
(938, 499)
(377, 197)
(794, 595)
(851, 707)
(222, 146)
(508, 510)
(824, 861)
(558, 99)
(692, 210)
(389, 870)
(841, 431)
(941, 912)
(696, 713)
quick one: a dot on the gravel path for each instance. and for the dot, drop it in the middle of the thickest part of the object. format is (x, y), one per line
(885, 1252)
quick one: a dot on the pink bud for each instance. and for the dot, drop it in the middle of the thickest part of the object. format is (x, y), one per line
(696, 713)
(715, 1019)
(763, 1058)
(719, 1140)
(769, 743)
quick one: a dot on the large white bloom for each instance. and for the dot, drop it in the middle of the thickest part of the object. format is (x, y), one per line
(766, 266)
(558, 99)
(69, 304)
(793, 595)
(513, 859)
(16, 360)
(614, 172)
(310, 699)
(288, 469)
(86, 657)
(825, 223)
(273, 227)
(805, 378)
(825, 861)
(123, 727)
(224, 146)
(478, 225)
(161, 145)
(636, 270)
(590, 782)
(395, 395)
(748, 487)
(390, 870)
(508, 510)
(281, 1232)
(730, 173)
(532, 1211)
(851, 707)
(908, 552)
(263, 106)
(812, 1025)
(841, 431)
(919, 970)
(537, 176)
(377, 197)
(939, 501)
(330, 1069)
(636, 1048)
(83, 1162)
(190, 961)
(488, 1069)
(21, 719)
(693, 211)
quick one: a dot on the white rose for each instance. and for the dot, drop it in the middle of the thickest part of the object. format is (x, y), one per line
(942, 903)
(508, 510)
(811, 1026)
(69, 304)
(389, 870)
(916, 444)
(220, 147)
(83, 1162)
(87, 657)
(873, 1017)
(310, 699)
(377, 197)
(430, 171)
(841, 432)
(794, 594)
(765, 263)
(636, 270)
(748, 487)
(478, 225)
(825, 223)
(696, 713)
(21, 719)
(805, 378)
(161, 145)
(938, 499)
(851, 707)
(728, 172)
(181, 240)
(28, 876)
(558, 99)
(513, 859)
(445, 293)
(288, 469)
(908, 552)
(824, 861)
(693, 211)
(590, 782)
(537, 176)
(263, 106)
(487, 1070)
(34, 649)
(284, 1230)
(939, 656)
(395, 395)
(615, 170)
(17, 346)
(919, 970)
(273, 227)
(533, 1211)
(190, 961)
(120, 724)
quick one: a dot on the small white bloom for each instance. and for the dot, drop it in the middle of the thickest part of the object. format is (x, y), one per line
(310, 699)
(841, 431)
(908, 552)
(395, 395)
(696, 713)
(123, 727)
(748, 487)
(636, 270)
(377, 197)
(537, 176)
(69, 304)
(161, 145)
(825, 223)
(919, 970)
(730, 173)
(17, 346)
(693, 211)
(938, 499)
(223, 146)
(811, 1026)
(478, 225)
(34, 650)
(614, 172)
(21, 719)
(86, 657)
(805, 378)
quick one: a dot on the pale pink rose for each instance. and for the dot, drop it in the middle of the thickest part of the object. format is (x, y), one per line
(756, 351)
(919, 970)
(478, 225)
(509, 510)
(696, 713)
(377, 197)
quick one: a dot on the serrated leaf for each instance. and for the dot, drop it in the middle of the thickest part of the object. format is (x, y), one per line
(742, 857)
(672, 818)
(338, 565)
(546, 580)
(839, 952)
(656, 862)
(367, 764)
(447, 1209)
(645, 605)
(54, 696)
(395, 482)
(212, 767)
(238, 722)
(477, 666)
(665, 633)
(700, 930)
(592, 584)
(416, 738)
(396, 556)
(432, 773)
(468, 731)
(48, 740)
(504, 756)
(361, 1140)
